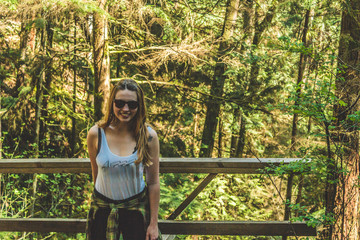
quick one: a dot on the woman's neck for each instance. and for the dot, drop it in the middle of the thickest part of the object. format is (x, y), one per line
(121, 127)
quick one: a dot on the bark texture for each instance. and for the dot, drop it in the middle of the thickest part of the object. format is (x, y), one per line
(73, 119)
(343, 198)
(101, 63)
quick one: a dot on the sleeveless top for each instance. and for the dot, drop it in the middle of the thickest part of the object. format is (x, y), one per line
(118, 177)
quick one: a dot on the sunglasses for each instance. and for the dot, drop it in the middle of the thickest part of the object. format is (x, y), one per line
(121, 103)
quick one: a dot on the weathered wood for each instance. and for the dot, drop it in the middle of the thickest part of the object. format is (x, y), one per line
(240, 228)
(192, 195)
(243, 228)
(167, 165)
(42, 225)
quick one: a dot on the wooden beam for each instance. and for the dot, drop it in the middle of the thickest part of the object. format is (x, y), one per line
(192, 195)
(45, 165)
(42, 225)
(240, 228)
(167, 165)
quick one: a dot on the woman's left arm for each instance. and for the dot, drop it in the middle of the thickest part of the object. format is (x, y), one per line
(152, 179)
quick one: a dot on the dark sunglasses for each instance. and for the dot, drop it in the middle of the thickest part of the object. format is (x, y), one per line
(121, 103)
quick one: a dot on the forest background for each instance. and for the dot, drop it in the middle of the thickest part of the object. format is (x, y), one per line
(223, 78)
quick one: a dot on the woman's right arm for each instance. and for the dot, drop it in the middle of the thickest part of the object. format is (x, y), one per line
(92, 144)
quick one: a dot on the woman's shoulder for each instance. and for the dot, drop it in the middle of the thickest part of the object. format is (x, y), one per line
(93, 132)
(152, 132)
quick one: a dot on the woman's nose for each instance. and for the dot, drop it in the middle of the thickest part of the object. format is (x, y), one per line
(126, 107)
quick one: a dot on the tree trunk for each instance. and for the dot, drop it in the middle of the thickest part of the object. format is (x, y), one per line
(101, 62)
(38, 111)
(1, 149)
(301, 69)
(259, 30)
(236, 148)
(24, 39)
(40, 92)
(48, 79)
(118, 55)
(32, 36)
(254, 68)
(217, 84)
(345, 203)
(241, 141)
(234, 132)
(220, 137)
(73, 119)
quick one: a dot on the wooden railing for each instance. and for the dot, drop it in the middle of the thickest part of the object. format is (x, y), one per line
(213, 166)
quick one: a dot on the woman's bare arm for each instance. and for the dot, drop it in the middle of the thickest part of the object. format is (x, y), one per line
(152, 179)
(92, 144)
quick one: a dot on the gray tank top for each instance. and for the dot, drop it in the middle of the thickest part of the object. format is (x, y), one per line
(118, 177)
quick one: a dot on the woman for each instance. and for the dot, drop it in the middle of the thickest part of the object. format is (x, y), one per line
(120, 148)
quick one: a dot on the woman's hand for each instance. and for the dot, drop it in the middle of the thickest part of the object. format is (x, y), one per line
(152, 232)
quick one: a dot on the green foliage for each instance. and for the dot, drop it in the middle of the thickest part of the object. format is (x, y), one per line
(314, 219)
(172, 48)
(8, 101)
(10, 4)
(302, 166)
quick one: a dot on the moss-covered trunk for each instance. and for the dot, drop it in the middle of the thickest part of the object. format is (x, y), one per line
(343, 194)
(101, 62)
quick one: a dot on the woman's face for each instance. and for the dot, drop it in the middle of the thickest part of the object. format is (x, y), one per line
(125, 105)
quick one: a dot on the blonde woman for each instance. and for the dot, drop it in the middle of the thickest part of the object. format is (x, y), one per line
(121, 148)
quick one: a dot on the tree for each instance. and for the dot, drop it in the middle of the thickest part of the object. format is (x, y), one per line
(343, 193)
(301, 69)
(218, 81)
(101, 62)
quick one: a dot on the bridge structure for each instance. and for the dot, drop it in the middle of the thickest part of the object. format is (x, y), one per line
(170, 226)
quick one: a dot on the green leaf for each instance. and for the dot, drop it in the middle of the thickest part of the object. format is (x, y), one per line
(342, 103)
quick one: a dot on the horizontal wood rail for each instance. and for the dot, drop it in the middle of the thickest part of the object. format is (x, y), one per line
(167, 165)
(211, 166)
(240, 228)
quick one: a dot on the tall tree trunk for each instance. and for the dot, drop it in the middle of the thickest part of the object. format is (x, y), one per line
(118, 55)
(234, 132)
(73, 119)
(40, 92)
(259, 27)
(47, 84)
(247, 16)
(301, 69)
(1, 195)
(253, 85)
(101, 62)
(344, 202)
(217, 84)
(241, 141)
(1, 149)
(32, 36)
(24, 39)
(302, 64)
(220, 138)
(259, 30)
(38, 110)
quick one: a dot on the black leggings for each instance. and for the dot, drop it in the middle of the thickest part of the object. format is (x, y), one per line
(131, 223)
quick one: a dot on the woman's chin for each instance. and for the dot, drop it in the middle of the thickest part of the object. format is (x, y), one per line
(125, 118)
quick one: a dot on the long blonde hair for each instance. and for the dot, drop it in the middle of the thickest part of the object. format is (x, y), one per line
(138, 124)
